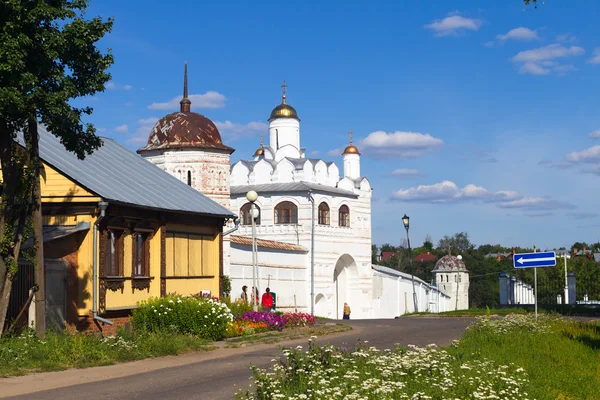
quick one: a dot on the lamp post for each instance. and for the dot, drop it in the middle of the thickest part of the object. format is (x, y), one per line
(405, 221)
(251, 196)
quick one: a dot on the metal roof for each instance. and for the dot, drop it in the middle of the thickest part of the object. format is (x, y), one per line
(291, 187)
(269, 244)
(119, 175)
(53, 232)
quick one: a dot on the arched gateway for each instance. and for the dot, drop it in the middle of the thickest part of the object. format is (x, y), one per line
(345, 279)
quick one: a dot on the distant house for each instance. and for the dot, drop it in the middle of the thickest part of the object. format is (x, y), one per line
(386, 255)
(425, 257)
(500, 255)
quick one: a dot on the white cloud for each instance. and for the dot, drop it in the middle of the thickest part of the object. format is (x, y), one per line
(449, 192)
(582, 215)
(234, 131)
(209, 99)
(533, 69)
(142, 131)
(127, 87)
(595, 134)
(100, 130)
(398, 144)
(541, 61)
(335, 152)
(549, 52)
(536, 203)
(566, 38)
(110, 85)
(122, 128)
(314, 153)
(589, 155)
(596, 58)
(453, 24)
(519, 33)
(405, 172)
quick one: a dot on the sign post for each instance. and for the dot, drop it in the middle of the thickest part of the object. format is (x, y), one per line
(534, 260)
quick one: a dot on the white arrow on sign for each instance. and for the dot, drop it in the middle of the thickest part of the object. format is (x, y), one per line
(521, 260)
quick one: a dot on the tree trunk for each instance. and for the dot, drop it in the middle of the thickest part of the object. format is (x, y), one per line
(39, 274)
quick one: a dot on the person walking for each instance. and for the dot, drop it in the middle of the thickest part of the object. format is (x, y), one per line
(244, 295)
(346, 311)
(267, 300)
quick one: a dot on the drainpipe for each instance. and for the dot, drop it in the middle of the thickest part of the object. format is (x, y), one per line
(102, 205)
(236, 221)
(312, 255)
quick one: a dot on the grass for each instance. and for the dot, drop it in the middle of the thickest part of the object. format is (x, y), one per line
(562, 360)
(287, 334)
(26, 353)
(512, 357)
(473, 312)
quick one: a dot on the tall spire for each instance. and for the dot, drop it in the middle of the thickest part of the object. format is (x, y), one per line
(350, 133)
(185, 103)
(284, 91)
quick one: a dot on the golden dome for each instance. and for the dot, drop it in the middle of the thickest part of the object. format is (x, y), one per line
(351, 150)
(284, 110)
(259, 152)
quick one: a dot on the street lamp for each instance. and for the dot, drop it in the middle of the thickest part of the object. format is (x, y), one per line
(405, 221)
(252, 196)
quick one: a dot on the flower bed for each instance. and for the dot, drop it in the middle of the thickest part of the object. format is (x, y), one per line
(298, 319)
(245, 328)
(203, 317)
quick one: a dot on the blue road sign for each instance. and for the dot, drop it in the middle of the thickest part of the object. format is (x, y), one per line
(528, 260)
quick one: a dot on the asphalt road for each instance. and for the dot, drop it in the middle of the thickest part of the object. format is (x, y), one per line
(220, 378)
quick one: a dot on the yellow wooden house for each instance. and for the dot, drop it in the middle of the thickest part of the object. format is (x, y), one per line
(118, 230)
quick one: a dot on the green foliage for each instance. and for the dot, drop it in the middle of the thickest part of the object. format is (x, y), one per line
(202, 317)
(559, 355)
(27, 353)
(457, 244)
(49, 57)
(238, 307)
(226, 285)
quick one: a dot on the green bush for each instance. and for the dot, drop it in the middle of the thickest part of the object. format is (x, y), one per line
(238, 307)
(202, 317)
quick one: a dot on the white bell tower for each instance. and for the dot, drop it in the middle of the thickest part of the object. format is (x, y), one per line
(284, 129)
(351, 157)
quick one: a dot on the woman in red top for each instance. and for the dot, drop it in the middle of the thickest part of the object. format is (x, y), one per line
(267, 300)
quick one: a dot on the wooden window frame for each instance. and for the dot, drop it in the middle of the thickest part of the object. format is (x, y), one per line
(119, 250)
(344, 216)
(324, 214)
(145, 256)
(246, 216)
(281, 208)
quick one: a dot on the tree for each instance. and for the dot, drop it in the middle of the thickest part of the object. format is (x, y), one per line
(387, 247)
(48, 56)
(427, 243)
(374, 253)
(579, 246)
(459, 243)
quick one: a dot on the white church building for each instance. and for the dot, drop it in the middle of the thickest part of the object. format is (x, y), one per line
(296, 196)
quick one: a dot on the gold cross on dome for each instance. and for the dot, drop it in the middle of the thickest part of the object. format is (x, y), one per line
(261, 137)
(284, 90)
(350, 133)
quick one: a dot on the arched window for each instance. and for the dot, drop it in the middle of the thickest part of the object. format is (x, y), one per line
(344, 216)
(246, 216)
(323, 214)
(189, 176)
(286, 212)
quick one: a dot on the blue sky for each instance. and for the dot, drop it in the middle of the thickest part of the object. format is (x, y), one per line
(482, 120)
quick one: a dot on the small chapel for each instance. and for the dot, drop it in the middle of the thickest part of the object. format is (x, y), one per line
(313, 225)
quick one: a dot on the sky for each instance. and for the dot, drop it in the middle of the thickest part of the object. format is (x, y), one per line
(477, 119)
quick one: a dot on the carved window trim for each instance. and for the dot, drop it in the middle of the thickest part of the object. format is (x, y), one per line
(141, 280)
